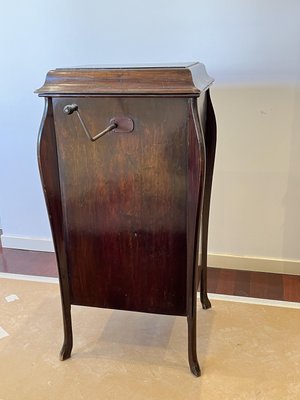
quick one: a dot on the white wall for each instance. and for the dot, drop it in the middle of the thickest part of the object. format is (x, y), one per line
(255, 206)
(252, 48)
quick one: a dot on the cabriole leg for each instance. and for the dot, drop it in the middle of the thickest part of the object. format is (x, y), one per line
(192, 350)
(210, 136)
(66, 349)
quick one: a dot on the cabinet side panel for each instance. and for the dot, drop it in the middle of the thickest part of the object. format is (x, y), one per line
(124, 203)
(195, 192)
(48, 166)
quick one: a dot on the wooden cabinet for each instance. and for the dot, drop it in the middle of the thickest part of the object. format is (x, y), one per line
(126, 162)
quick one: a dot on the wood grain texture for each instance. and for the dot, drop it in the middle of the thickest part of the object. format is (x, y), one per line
(48, 165)
(291, 287)
(195, 188)
(124, 202)
(260, 285)
(184, 80)
(242, 281)
(28, 262)
(208, 122)
(254, 284)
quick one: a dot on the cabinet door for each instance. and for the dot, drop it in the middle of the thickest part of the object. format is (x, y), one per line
(124, 203)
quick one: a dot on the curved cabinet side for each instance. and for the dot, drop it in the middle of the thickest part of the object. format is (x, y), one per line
(195, 188)
(48, 166)
(210, 137)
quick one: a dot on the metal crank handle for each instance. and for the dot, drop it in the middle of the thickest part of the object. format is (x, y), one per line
(70, 108)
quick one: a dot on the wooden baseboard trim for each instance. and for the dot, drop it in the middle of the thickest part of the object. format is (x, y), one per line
(291, 267)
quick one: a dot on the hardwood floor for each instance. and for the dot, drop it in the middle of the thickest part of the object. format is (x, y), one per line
(28, 262)
(222, 281)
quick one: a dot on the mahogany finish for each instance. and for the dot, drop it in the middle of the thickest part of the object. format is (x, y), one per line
(48, 164)
(166, 80)
(210, 139)
(125, 205)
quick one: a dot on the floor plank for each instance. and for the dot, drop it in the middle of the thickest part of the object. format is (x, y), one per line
(28, 262)
(212, 280)
(242, 283)
(267, 286)
(291, 287)
(226, 281)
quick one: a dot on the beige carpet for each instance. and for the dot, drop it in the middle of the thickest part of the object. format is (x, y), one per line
(246, 351)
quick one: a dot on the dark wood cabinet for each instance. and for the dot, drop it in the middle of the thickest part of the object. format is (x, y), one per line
(126, 159)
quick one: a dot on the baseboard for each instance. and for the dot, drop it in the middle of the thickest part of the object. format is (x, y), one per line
(291, 267)
(27, 243)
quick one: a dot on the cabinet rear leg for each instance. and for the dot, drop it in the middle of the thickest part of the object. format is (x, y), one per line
(210, 135)
(203, 288)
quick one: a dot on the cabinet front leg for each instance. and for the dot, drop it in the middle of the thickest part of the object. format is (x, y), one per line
(48, 165)
(192, 349)
(67, 346)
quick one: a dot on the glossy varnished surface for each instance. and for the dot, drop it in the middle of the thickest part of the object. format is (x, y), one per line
(127, 218)
(125, 205)
(189, 79)
(195, 178)
(49, 172)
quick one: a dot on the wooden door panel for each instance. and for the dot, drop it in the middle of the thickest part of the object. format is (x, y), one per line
(124, 199)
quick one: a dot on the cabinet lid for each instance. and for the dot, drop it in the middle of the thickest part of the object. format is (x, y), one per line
(186, 79)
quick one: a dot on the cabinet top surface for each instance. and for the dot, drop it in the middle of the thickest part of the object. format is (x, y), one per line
(131, 66)
(178, 79)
